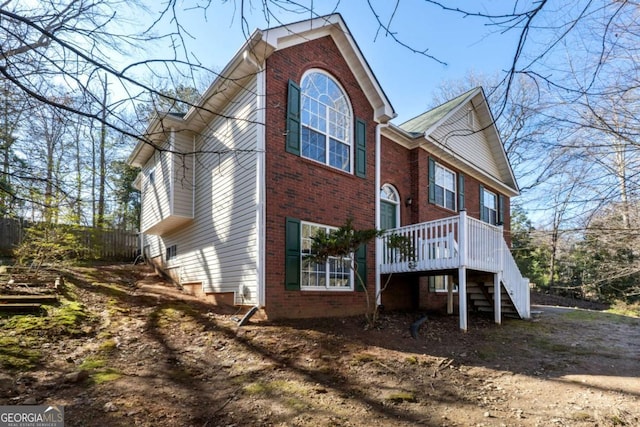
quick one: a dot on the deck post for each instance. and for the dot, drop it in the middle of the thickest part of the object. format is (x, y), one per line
(497, 295)
(462, 295)
(449, 295)
(462, 270)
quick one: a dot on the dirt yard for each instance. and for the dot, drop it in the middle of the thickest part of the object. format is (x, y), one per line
(123, 349)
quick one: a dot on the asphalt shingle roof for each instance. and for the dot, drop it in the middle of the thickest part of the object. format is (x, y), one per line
(420, 124)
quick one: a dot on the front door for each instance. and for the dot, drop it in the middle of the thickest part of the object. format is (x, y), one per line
(388, 215)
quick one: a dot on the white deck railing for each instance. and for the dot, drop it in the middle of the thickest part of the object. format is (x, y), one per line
(456, 242)
(516, 285)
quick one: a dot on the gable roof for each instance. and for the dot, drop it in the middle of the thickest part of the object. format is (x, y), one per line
(334, 26)
(249, 60)
(479, 152)
(423, 123)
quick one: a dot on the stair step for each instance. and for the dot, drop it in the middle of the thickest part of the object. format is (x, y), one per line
(504, 310)
(20, 307)
(42, 299)
(485, 303)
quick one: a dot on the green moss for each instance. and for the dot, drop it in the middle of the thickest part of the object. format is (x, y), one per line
(105, 375)
(412, 360)
(15, 354)
(257, 388)
(589, 316)
(110, 289)
(67, 319)
(99, 372)
(487, 352)
(90, 364)
(624, 309)
(402, 396)
(362, 358)
(279, 388)
(107, 346)
(297, 404)
(105, 335)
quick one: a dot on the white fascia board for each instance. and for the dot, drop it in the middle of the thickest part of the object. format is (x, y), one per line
(227, 72)
(145, 147)
(402, 137)
(496, 142)
(452, 112)
(334, 26)
(411, 141)
(494, 129)
(468, 166)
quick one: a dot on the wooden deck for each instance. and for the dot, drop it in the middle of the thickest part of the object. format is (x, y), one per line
(460, 243)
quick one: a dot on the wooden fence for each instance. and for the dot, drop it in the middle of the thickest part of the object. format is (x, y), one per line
(113, 245)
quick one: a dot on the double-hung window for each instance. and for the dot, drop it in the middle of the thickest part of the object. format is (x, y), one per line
(492, 206)
(489, 207)
(326, 121)
(335, 274)
(441, 284)
(445, 187)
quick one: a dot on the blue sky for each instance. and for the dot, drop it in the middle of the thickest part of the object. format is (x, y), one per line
(409, 79)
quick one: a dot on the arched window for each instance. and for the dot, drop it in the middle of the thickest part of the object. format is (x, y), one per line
(389, 207)
(326, 121)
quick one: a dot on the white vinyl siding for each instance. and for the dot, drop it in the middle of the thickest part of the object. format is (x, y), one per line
(156, 191)
(470, 145)
(167, 200)
(152, 245)
(219, 247)
(183, 175)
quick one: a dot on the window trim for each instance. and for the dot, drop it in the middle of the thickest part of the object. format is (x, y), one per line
(446, 279)
(494, 209)
(171, 253)
(325, 288)
(395, 202)
(437, 166)
(349, 128)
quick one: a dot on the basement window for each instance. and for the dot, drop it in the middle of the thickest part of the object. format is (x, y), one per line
(439, 284)
(172, 252)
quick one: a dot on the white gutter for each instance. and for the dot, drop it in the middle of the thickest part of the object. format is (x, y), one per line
(379, 127)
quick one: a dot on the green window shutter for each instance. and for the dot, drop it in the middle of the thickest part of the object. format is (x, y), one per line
(361, 260)
(500, 209)
(432, 180)
(460, 192)
(483, 216)
(293, 119)
(361, 148)
(292, 255)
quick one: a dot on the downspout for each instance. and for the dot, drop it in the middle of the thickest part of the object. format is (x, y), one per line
(260, 181)
(379, 127)
(171, 167)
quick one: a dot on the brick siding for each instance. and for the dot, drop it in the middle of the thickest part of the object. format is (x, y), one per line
(304, 189)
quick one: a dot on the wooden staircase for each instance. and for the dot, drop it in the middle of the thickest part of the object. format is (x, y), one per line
(480, 299)
(25, 303)
(21, 292)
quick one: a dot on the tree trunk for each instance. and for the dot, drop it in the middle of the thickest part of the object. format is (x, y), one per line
(103, 164)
